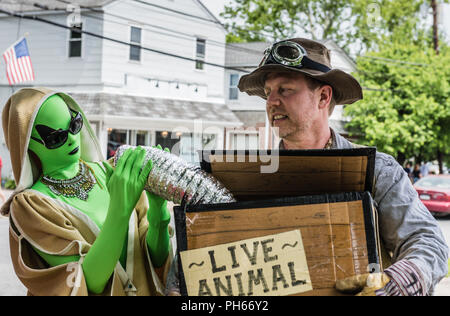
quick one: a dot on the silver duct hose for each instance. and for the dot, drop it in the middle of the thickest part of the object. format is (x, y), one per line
(175, 180)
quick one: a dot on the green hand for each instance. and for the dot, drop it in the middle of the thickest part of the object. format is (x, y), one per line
(158, 233)
(126, 182)
(125, 185)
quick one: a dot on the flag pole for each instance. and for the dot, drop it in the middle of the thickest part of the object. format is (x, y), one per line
(19, 22)
(17, 37)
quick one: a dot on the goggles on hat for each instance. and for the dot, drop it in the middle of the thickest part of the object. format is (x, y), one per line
(52, 138)
(290, 54)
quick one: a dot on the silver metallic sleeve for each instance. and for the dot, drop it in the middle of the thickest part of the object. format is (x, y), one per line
(178, 181)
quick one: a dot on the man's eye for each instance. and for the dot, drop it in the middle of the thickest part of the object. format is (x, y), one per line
(285, 91)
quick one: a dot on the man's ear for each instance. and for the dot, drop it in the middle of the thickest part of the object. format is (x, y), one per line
(326, 93)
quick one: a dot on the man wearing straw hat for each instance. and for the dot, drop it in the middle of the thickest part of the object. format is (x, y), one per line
(301, 89)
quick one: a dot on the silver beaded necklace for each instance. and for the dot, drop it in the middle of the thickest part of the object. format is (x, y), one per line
(79, 186)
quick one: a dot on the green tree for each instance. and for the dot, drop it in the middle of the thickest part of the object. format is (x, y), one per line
(356, 23)
(406, 107)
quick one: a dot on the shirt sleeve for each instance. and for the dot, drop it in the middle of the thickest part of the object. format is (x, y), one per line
(407, 228)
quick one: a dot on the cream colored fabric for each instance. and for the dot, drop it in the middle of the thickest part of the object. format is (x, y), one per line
(57, 228)
(18, 117)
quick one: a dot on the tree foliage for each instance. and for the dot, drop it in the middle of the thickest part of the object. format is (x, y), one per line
(356, 23)
(406, 107)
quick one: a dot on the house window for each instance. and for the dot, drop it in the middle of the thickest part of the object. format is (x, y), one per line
(200, 54)
(233, 92)
(116, 138)
(244, 141)
(75, 41)
(135, 43)
(141, 138)
(119, 137)
(190, 143)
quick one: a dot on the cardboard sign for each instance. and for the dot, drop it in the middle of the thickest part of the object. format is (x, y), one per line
(338, 234)
(268, 265)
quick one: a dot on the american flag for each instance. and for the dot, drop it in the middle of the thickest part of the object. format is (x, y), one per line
(18, 63)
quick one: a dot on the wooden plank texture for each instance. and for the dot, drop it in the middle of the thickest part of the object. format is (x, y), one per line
(295, 176)
(333, 235)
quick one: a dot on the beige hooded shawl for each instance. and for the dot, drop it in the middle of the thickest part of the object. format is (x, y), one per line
(56, 228)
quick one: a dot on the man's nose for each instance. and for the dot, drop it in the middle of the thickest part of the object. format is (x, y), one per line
(273, 99)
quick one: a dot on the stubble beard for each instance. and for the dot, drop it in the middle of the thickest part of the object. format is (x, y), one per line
(294, 131)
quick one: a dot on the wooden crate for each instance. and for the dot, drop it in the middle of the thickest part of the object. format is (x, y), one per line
(299, 172)
(338, 230)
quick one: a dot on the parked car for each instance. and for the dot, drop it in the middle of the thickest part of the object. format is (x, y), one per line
(112, 148)
(434, 192)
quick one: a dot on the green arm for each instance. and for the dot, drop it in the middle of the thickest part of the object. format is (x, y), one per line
(125, 187)
(158, 233)
(158, 241)
(104, 254)
(101, 259)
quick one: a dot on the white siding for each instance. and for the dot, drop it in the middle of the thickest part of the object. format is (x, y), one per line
(244, 101)
(6, 171)
(104, 63)
(48, 45)
(208, 82)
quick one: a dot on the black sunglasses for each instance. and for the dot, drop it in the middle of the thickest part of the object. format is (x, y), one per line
(290, 54)
(52, 138)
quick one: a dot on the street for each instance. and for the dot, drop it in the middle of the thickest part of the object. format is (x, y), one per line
(443, 289)
(11, 286)
(9, 283)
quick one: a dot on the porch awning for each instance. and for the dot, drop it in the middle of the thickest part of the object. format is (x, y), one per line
(140, 111)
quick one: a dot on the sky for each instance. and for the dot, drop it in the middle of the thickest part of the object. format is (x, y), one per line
(216, 7)
(446, 20)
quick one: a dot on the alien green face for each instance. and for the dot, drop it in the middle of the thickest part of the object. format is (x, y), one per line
(52, 138)
(55, 137)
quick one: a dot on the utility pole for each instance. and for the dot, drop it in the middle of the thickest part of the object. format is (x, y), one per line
(434, 6)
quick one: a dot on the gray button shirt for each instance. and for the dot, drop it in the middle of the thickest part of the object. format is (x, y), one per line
(407, 228)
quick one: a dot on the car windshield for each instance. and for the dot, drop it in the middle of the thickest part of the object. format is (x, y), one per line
(434, 182)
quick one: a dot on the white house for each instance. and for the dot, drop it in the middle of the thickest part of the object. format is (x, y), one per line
(145, 72)
(243, 58)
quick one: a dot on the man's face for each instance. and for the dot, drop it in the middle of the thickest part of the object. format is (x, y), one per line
(291, 105)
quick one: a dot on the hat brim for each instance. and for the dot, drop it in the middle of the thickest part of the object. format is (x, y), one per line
(346, 88)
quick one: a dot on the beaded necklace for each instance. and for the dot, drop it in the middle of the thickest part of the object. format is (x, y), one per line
(79, 186)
